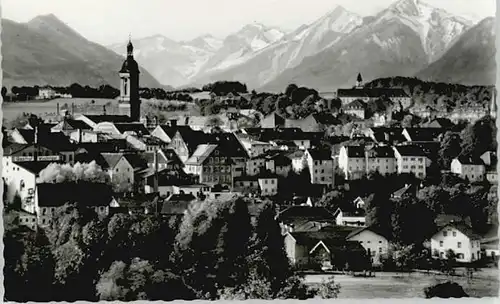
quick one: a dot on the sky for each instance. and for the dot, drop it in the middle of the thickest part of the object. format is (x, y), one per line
(111, 21)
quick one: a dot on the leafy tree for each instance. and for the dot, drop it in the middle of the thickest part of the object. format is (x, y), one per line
(140, 280)
(479, 137)
(58, 173)
(328, 289)
(29, 266)
(212, 246)
(450, 147)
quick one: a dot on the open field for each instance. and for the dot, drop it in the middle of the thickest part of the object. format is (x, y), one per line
(11, 110)
(485, 283)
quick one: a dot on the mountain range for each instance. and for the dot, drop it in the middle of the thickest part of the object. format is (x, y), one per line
(45, 51)
(408, 38)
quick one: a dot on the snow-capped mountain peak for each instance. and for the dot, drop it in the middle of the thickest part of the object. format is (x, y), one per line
(436, 28)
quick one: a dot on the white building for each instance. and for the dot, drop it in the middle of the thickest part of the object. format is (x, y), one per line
(352, 162)
(411, 159)
(375, 244)
(321, 167)
(459, 238)
(469, 168)
(46, 93)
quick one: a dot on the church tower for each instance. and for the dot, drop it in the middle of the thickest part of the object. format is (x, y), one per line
(359, 81)
(129, 101)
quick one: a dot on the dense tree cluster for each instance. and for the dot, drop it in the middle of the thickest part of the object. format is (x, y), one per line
(59, 173)
(215, 252)
(222, 88)
(438, 95)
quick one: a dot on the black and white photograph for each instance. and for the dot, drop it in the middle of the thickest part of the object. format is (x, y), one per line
(249, 150)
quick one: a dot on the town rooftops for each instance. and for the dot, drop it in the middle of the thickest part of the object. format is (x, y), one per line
(371, 92)
(83, 193)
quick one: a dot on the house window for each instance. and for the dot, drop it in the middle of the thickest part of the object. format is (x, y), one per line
(459, 244)
(440, 243)
(454, 233)
(380, 249)
(445, 233)
(460, 255)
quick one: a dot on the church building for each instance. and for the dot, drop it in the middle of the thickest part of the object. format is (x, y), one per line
(129, 100)
(365, 94)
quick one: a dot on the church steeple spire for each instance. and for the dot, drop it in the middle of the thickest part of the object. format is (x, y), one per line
(130, 47)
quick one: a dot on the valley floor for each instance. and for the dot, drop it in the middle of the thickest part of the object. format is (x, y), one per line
(485, 283)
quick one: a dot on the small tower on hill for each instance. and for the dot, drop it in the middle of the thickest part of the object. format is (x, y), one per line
(359, 81)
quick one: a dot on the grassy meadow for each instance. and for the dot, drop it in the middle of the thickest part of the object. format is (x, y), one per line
(485, 283)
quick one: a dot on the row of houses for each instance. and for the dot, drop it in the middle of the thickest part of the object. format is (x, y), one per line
(315, 237)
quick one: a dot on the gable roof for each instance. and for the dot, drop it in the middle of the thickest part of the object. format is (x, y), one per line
(35, 167)
(369, 228)
(465, 229)
(320, 154)
(27, 134)
(409, 150)
(355, 151)
(111, 159)
(470, 160)
(356, 104)
(74, 124)
(201, 153)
